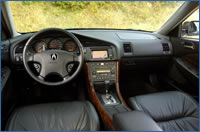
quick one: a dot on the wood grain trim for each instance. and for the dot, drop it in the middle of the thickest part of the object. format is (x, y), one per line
(192, 62)
(104, 116)
(118, 90)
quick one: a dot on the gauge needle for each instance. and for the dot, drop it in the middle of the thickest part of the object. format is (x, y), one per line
(43, 47)
(54, 46)
(39, 49)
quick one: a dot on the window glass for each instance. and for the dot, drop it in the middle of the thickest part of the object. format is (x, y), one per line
(32, 16)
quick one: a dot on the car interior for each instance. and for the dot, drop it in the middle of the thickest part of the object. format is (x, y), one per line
(101, 79)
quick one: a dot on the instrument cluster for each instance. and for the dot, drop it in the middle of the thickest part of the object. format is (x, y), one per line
(54, 44)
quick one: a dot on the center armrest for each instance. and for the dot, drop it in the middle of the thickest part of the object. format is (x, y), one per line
(134, 121)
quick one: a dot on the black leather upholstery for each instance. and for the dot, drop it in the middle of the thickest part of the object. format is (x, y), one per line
(134, 121)
(55, 116)
(173, 111)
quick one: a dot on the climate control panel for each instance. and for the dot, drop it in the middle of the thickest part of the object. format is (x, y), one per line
(101, 71)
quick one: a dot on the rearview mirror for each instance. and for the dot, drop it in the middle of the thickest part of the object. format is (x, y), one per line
(190, 28)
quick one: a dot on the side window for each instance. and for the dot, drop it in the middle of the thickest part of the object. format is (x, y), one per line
(190, 27)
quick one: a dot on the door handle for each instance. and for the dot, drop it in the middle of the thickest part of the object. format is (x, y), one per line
(189, 46)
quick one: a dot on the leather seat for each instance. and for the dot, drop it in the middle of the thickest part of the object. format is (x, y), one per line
(64, 116)
(173, 111)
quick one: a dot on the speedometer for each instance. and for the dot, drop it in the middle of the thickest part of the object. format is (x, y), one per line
(70, 46)
(55, 44)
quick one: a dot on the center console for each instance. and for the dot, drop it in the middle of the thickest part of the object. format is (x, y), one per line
(134, 121)
(104, 77)
(102, 71)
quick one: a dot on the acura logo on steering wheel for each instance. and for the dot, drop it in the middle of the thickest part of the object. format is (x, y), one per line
(54, 56)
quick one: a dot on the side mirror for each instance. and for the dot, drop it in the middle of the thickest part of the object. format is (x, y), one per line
(190, 28)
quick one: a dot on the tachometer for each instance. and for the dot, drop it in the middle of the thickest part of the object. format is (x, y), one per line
(55, 44)
(39, 46)
(70, 46)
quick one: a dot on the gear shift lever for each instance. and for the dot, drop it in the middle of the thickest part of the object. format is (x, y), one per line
(108, 98)
(107, 86)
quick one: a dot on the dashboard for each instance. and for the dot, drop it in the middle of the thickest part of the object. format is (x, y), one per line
(130, 48)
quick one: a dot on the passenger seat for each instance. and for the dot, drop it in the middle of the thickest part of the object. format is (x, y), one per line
(173, 111)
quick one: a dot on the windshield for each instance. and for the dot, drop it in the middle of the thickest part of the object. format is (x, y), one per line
(32, 16)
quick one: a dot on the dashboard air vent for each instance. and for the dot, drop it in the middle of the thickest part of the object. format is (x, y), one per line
(165, 46)
(127, 47)
(19, 49)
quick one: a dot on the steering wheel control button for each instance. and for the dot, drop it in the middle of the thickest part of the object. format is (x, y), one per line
(54, 56)
(37, 67)
(70, 67)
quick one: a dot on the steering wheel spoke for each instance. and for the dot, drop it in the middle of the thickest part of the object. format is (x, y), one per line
(35, 57)
(30, 57)
(38, 57)
(41, 78)
(66, 78)
(77, 58)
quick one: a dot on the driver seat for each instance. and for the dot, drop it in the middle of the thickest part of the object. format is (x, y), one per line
(64, 116)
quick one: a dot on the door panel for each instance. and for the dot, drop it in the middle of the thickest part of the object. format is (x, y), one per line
(186, 61)
(188, 71)
(180, 46)
(192, 59)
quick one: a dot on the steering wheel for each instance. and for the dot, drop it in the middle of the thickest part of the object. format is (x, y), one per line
(53, 61)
